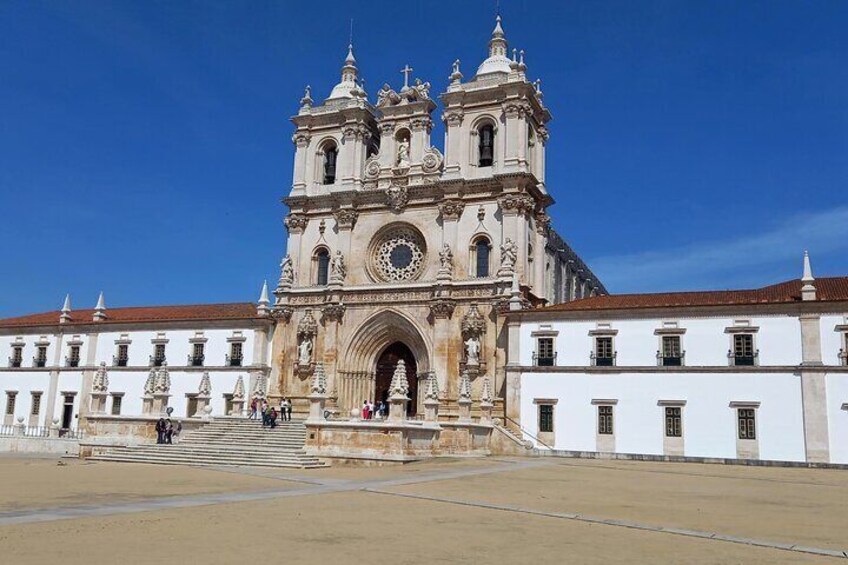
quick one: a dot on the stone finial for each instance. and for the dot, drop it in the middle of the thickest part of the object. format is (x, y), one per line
(399, 387)
(306, 101)
(100, 309)
(456, 75)
(464, 387)
(259, 388)
(65, 316)
(101, 379)
(205, 388)
(150, 383)
(432, 390)
(486, 394)
(162, 383)
(319, 380)
(515, 302)
(238, 390)
(808, 289)
(262, 307)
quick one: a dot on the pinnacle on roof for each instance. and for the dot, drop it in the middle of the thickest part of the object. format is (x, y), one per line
(348, 87)
(498, 62)
(808, 290)
(100, 309)
(65, 316)
(262, 305)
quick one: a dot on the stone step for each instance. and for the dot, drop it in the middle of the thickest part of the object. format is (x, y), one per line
(211, 454)
(117, 458)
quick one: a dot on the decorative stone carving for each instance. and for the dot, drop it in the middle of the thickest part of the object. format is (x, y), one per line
(486, 402)
(238, 390)
(509, 256)
(333, 312)
(399, 387)
(403, 154)
(543, 223)
(205, 387)
(442, 308)
(296, 222)
(431, 399)
(473, 323)
(150, 383)
(100, 383)
(486, 392)
(455, 76)
(286, 273)
(259, 387)
(516, 204)
(398, 255)
(445, 263)
(301, 138)
(453, 118)
(346, 218)
(307, 327)
(386, 96)
(451, 209)
(397, 197)
(306, 101)
(283, 313)
(162, 383)
(338, 269)
(319, 380)
(372, 167)
(304, 351)
(472, 350)
(432, 160)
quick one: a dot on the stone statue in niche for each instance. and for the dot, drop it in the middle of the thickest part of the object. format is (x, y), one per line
(304, 351)
(472, 350)
(286, 271)
(403, 154)
(446, 259)
(509, 254)
(338, 269)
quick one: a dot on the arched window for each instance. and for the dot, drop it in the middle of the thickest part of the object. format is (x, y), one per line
(322, 266)
(331, 154)
(487, 145)
(481, 250)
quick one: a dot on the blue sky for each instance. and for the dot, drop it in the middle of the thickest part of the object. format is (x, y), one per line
(144, 146)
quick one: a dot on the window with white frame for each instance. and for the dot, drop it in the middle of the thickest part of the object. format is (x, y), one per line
(604, 352)
(546, 418)
(117, 402)
(11, 397)
(672, 353)
(743, 349)
(40, 356)
(17, 358)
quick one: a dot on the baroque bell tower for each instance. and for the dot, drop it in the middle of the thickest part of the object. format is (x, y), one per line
(397, 251)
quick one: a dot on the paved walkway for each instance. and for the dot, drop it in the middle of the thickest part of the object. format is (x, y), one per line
(314, 484)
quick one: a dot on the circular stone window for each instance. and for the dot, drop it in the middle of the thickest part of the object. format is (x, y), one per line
(397, 254)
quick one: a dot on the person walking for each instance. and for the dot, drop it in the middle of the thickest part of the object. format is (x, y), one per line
(160, 431)
(272, 418)
(252, 410)
(364, 409)
(177, 431)
(287, 407)
(169, 431)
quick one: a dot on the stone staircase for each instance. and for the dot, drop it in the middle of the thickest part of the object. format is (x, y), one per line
(226, 442)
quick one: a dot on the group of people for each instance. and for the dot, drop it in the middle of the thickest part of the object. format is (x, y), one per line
(167, 431)
(260, 407)
(371, 410)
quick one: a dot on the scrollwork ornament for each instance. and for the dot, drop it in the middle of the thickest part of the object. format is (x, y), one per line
(442, 308)
(296, 222)
(451, 209)
(346, 218)
(397, 197)
(432, 160)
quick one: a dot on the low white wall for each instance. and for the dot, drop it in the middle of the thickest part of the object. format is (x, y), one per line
(56, 446)
(709, 423)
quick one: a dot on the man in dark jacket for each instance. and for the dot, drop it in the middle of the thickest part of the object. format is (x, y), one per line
(160, 431)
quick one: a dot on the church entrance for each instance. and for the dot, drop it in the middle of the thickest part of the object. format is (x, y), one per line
(386, 363)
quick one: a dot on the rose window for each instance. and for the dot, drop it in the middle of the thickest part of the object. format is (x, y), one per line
(398, 255)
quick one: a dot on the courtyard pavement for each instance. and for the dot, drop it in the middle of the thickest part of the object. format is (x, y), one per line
(445, 511)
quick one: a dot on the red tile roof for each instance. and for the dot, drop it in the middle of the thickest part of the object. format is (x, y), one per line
(827, 290)
(140, 314)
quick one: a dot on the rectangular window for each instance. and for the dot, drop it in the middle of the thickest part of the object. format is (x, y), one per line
(74, 356)
(235, 354)
(158, 354)
(117, 400)
(743, 349)
(41, 356)
(10, 403)
(123, 356)
(605, 420)
(545, 352)
(671, 352)
(17, 356)
(747, 423)
(546, 418)
(196, 355)
(603, 351)
(36, 404)
(673, 422)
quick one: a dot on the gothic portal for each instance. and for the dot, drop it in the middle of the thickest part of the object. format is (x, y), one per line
(400, 250)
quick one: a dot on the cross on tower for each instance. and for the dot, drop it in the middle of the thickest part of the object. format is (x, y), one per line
(406, 70)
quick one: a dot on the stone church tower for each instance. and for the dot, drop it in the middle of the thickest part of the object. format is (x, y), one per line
(399, 251)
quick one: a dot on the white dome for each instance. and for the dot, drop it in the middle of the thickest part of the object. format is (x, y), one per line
(494, 64)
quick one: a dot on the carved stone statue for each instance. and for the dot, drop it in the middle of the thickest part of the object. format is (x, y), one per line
(472, 350)
(422, 90)
(446, 260)
(286, 271)
(386, 96)
(509, 254)
(403, 154)
(338, 269)
(304, 351)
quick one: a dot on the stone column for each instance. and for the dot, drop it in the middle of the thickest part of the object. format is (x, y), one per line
(301, 142)
(540, 282)
(454, 146)
(814, 391)
(332, 315)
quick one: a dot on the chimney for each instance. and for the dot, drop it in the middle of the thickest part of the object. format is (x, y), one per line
(808, 290)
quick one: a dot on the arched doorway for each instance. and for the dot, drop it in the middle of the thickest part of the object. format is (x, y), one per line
(386, 363)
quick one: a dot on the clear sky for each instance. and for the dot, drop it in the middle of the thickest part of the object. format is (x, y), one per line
(144, 146)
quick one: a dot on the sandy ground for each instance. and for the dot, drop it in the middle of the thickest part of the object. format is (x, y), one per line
(791, 505)
(41, 483)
